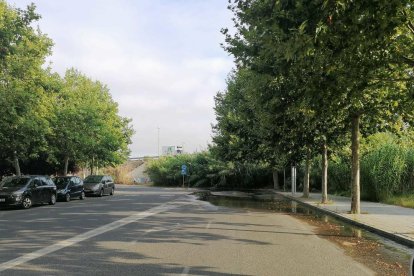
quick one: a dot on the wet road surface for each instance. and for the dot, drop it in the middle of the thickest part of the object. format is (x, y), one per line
(159, 231)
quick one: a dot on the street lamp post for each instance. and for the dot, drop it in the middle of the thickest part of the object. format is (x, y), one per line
(158, 147)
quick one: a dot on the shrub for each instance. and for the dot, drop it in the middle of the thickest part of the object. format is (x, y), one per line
(206, 171)
(382, 172)
(387, 168)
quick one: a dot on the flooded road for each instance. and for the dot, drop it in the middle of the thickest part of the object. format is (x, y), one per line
(380, 254)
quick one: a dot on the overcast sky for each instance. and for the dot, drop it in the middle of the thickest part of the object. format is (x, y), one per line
(161, 59)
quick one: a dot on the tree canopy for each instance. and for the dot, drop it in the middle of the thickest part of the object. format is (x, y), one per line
(332, 70)
(45, 116)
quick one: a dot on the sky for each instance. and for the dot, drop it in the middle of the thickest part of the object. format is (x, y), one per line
(161, 60)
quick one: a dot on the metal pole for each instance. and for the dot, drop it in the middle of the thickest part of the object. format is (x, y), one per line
(293, 176)
(158, 147)
(188, 184)
(284, 179)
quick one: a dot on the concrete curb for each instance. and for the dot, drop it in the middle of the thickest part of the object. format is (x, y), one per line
(394, 237)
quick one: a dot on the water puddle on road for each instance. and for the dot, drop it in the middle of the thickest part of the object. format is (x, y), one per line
(383, 256)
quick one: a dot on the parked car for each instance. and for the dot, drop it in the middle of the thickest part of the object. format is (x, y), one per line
(99, 185)
(69, 187)
(27, 190)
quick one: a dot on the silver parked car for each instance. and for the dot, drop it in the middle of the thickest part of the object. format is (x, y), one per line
(99, 185)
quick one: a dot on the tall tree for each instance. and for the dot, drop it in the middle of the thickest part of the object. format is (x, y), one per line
(372, 67)
(23, 101)
(347, 64)
(87, 127)
(276, 39)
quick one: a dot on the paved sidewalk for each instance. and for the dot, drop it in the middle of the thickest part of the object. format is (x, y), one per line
(395, 222)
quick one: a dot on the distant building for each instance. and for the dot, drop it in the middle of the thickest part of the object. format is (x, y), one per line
(171, 150)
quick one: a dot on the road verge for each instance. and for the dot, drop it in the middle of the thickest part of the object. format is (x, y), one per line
(354, 221)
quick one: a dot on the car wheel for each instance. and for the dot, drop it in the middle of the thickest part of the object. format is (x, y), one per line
(82, 196)
(52, 199)
(112, 192)
(67, 197)
(27, 203)
(101, 193)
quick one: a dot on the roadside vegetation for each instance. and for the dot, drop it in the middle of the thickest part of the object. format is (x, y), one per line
(122, 173)
(51, 123)
(387, 169)
(207, 171)
(326, 86)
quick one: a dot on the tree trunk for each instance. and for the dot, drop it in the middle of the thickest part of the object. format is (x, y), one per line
(355, 204)
(91, 167)
(325, 174)
(65, 170)
(16, 164)
(276, 180)
(307, 175)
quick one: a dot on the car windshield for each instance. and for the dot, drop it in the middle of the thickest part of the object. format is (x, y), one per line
(93, 179)
(14, 182)
(61, 182)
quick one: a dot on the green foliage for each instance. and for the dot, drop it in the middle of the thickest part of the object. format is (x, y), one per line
(401, 200)
(206, 171)
(46, 119)
(238, 136)
(339, 174)
(86, 124)
(315, 71)
(382, 172)
(23, 99)
(387, 168)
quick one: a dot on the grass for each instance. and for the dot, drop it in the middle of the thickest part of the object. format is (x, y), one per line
(342, 193)
(330, 202)
(122, 172)
(401, 200)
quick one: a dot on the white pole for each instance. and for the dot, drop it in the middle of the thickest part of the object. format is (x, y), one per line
(293, 176)
(295, 179)
(158, 147)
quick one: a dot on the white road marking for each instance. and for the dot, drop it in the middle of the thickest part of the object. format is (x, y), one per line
(90, 234)
(185, 271)
(159, 229)
(208, 225)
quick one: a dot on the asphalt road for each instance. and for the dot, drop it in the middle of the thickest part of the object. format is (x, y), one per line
(159, 231)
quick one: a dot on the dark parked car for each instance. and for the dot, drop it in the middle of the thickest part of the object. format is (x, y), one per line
(28, 190)
(99, 185)
(69, 187)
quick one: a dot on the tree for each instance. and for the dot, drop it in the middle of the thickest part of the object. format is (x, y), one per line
(238, 136)
(23, 101)
(346, 64)
(276, 40)
(86, 124)
(372, 64)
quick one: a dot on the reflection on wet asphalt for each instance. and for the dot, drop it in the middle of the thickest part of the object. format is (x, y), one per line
(380, 254)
